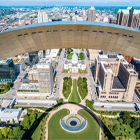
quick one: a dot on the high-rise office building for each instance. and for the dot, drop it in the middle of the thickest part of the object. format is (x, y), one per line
(33, 58)
(128, 17)
(42, 16)
(91, 14)
(7, 71)
(45, 76)
(115, 77)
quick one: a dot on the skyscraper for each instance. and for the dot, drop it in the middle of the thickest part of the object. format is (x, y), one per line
(128, 17)
(45, 76)
(91, 14)
(42, 16)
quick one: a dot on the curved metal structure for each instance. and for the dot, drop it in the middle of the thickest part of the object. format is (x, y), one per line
(61, 34)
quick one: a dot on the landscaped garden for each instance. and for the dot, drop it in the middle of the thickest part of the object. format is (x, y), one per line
(5, 87)
(57, 133)
(67, 86)
(82, 87)
(121, 128)
(74, 97)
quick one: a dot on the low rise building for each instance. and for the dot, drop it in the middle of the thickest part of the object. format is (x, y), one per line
(10, 115)
(20, 63)
(115, 77)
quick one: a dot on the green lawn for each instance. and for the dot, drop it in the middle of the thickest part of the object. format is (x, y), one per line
(74, 97)
(70, 56)
(82, 71)
(66, 70)
(91, 132)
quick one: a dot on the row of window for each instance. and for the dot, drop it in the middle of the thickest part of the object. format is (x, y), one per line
(124, 35)
(109, 97)
(113, 93)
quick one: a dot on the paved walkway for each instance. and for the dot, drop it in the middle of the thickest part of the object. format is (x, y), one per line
(73, 108)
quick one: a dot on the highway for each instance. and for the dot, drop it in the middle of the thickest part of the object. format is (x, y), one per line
(115, 108)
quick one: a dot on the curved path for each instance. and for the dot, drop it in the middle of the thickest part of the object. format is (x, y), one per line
(73, 108)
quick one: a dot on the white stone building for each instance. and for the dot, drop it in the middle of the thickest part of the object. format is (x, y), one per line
(74, 64)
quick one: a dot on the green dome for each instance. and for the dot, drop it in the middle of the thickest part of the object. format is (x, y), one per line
(74, 56)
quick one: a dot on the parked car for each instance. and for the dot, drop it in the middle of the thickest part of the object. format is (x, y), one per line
(102, 106)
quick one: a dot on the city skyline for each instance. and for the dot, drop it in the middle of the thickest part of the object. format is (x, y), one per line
(70, 3)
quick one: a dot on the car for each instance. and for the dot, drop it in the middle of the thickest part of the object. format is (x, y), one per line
(102, 106)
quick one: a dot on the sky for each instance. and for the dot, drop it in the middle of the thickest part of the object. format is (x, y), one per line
(70, 2)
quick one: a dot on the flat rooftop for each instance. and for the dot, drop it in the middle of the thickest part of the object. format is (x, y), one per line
(106, 67)
(117, 83)
(19, 61)
(10, 113)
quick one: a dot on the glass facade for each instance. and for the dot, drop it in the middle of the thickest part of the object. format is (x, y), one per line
(33, 58)
(7, 71)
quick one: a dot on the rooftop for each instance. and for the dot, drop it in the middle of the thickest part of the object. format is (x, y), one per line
(71, 23)
(74, 56)
(31, 86)
(106, 67)
(10, 113)
(19, 61)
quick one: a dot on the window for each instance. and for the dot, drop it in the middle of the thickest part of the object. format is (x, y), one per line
(40, 32)
(63, 30)
(109, 33)
(20, 35)
(131, 36)
(70, 30)
(33, 32)
(55, 30)
(94, 31)
(124, 35)
(109, 96)
(48, 30)
(85, 30)
(26, 34)
(78, 30)
(116, 33)
(101, 31)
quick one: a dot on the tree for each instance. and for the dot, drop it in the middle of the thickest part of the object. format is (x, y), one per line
(126, 118)
(1, 135)
(120, 120)
(4, 132)
(138, 133)
(115, 127)
(20, 135)
(16, 129)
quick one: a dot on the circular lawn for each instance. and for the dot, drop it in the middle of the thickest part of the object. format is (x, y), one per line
(57, 133)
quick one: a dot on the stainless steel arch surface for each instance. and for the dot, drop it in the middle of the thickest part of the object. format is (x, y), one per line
(63, 34)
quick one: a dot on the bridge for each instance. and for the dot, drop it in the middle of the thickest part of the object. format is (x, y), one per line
(68, 34)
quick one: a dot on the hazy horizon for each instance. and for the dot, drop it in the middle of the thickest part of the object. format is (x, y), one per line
(69, 3)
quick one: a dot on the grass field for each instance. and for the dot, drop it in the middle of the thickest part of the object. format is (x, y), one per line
(91, 132)
(74, 97)
(66, 70)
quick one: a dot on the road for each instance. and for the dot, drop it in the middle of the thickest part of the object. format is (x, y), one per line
(113, 108)
(59, 73)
